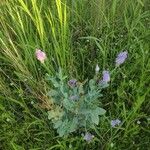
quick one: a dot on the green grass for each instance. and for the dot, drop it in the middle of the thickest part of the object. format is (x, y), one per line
(76, 35)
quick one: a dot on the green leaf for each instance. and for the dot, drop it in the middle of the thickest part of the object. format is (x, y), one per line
(142, 4)
(56, 113)
(56, 85)
(95, 118)
(51, 115)
(68, 104)
(53, 80)
(92, 84)
(57, 124)
(73, 124)
(16, 146)
(52, 93)
(100, 111)
(95, 114)
(62, 130)
(2, 107)
(85, 111)
(81, 90)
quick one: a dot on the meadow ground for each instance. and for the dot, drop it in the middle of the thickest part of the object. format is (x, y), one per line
(76, 35)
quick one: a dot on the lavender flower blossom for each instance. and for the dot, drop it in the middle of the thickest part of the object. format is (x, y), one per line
(88, 137)
(121, 58)
(106, 76)
(72, 82)
(115, 122)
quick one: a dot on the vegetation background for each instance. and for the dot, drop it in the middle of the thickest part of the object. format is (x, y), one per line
(76, 35)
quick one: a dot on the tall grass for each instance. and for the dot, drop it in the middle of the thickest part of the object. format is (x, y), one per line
(76, 35)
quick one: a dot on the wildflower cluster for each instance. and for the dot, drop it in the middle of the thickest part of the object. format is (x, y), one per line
(77, 104)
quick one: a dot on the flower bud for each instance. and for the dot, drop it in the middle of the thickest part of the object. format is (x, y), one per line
(40, 55)
(72, 82)
(97, 68)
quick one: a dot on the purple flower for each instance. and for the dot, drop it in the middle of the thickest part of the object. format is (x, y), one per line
(115, 122)
(72, 82)
(106, 76)
(121, 58)
(88, 137)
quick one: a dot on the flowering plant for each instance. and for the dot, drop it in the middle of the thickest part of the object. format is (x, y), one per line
(76, 104)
